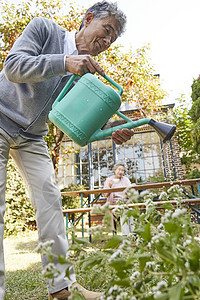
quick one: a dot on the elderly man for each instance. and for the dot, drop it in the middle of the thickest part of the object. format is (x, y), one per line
(36, 69)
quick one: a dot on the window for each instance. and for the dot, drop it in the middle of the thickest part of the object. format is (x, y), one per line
(92, 164)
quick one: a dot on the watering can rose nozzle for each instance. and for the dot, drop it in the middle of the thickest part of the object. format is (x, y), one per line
(164, 130)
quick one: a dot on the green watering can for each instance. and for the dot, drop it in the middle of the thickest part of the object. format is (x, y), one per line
(85, 109)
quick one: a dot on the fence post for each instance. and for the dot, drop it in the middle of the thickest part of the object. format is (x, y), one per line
(82, 216)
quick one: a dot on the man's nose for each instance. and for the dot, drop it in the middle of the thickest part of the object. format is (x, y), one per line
(107, 41)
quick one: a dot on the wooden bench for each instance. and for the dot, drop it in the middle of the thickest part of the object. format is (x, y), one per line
(160, 185)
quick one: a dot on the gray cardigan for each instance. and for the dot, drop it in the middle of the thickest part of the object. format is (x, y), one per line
(32, 78)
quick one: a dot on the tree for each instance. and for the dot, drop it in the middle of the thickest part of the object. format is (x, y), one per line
(133, 71)
(185, 117)
(184, 124)
(195, 114)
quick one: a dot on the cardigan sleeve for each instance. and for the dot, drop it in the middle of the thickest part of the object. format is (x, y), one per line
(37, 54)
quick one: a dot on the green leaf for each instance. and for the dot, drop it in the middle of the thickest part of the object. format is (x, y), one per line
(122, 282)
(194, 280)
(168, 206)
(147, 232)
(114, 242)
(67, 272)
(118, 264)
(166, 255)
(143, 260)
(81, 241)
(91, 262)
(149, 298)
(139, 231)
(62, 260)
(170, 227)
(132, 213)
(194, 259)
(163, 296)
(176, 292)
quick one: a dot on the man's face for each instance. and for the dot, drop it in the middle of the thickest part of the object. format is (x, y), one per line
(100, 33)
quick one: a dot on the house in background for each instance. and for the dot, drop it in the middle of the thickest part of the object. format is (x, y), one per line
(147, 158)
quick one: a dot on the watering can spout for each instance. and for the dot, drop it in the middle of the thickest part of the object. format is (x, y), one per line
(165, 131)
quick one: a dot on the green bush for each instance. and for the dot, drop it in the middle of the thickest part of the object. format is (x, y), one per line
(194, 174)
(160, 260)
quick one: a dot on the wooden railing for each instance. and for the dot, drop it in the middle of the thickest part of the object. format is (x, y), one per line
(88, 193)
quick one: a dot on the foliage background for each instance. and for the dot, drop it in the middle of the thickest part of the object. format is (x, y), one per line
(133, 71)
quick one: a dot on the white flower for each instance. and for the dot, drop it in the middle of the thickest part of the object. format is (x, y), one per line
(160, 285)
(163, 196)
(166, 216)
(144, 193)
(131, 194)
(115, 254)
(157, 268)
(50, 268)
(98, 208)
(149, 245)
(118, 210)
(187, 242)
(175, 189)
(158, 236)
(95, 230)
(178, 212)
(187, 264)
(45, 247)
(114, 288)
(124, 245)
(160, 226)
(157, 294)
(135, 275)
(121, 296)
(150, 263)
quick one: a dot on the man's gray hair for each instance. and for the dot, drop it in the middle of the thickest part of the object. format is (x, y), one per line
(119, 164)
(104, 9)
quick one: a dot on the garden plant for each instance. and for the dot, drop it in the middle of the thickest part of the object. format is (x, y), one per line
(160, 260)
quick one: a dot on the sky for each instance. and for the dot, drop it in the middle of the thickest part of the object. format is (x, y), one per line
(171, 28)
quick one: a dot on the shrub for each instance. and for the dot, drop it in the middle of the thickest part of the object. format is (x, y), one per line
(160, 260)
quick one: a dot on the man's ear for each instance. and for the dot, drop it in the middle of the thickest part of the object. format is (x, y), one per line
(88, 18)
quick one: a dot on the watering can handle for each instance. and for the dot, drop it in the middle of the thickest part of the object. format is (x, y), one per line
(120, 90)
(64, 90)
(72, 78)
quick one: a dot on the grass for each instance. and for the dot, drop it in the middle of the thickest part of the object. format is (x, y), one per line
(24, 278)
(23, 268)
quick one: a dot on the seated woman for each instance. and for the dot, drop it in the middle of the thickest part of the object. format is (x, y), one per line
(115, 181)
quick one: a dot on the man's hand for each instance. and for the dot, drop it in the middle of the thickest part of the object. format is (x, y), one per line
(82, 64)
(121, 136)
